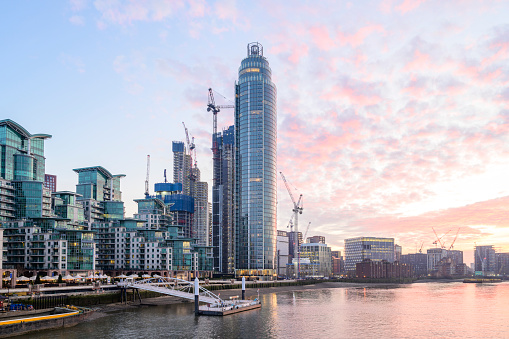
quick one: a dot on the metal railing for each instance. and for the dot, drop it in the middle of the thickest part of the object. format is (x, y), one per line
(173, 286)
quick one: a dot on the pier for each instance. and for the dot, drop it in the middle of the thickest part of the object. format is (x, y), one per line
(192, 291)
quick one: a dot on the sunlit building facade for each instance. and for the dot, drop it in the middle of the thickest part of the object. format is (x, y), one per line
(255, 166)
(376, 249)
(318, 254)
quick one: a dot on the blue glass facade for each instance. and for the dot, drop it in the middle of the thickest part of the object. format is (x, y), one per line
(181, 206)
(255, 162)
(98, 183)
(22, 165)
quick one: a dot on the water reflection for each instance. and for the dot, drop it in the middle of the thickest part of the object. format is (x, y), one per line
(417, 310)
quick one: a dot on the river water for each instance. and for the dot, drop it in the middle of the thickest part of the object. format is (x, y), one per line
(421, 310)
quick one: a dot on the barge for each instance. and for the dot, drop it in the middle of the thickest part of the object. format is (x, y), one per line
(53, 318)
(230, 307)
(482, 280)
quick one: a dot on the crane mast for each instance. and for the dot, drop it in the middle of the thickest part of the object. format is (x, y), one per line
(146, 180)
(307, 229)
(192, 153)
(212, 107)
(297, 209)
(456, 237)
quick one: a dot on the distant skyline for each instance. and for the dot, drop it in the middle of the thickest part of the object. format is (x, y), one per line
(393, 115)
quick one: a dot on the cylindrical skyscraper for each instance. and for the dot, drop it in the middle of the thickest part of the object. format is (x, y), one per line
(255, 166)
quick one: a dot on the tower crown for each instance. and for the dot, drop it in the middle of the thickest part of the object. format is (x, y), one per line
(254, 49)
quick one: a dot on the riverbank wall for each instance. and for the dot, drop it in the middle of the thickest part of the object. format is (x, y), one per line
(112, 297)
(82, 300)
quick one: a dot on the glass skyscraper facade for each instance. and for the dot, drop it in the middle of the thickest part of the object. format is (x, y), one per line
(255, 164)
(376, 249)
(22, 172)
(223, 230)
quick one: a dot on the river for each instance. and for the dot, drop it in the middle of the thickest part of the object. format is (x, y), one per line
(421, 310)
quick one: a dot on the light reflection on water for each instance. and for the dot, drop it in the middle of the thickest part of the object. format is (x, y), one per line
(396, 311)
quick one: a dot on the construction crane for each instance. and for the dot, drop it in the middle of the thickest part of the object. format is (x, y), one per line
(307, 229)
(212, 107)
(456, 237)
(290, 224)
(422, 244)
(297, 209)
(439, 239)
(146, 180)
(297, 206)
(192, 153)
(165, 180)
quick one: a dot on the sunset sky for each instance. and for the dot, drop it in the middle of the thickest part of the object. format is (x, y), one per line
(393, 115)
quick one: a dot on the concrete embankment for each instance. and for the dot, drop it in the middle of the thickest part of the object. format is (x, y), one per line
(111, 301)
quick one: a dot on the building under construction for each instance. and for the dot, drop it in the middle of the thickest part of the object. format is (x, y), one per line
(223, 230)
(187, 173)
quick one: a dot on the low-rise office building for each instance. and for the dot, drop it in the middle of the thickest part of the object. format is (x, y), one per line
(320, 259)
(373, 248)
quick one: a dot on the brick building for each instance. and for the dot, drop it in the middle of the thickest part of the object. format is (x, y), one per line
(383, 270)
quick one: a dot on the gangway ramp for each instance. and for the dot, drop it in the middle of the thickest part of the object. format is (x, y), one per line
(174, 287)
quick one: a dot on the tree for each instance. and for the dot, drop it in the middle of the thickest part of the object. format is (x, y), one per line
(60, 280)
(37, 280)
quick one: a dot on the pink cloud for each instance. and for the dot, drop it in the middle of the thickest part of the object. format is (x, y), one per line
(418, 63)
(289, 49)
(197, 8)
(417, 86)
(321, 38)
(493, 212)
(355, 91)
(386, 6)
(358, 38)
(298, 52)
(409, 5)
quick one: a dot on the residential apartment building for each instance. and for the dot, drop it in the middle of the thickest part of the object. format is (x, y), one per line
(485, 260)
(66, 232)
(419, 262)
(255, 166)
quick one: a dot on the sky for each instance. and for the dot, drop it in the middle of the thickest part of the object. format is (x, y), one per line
(393, 115)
